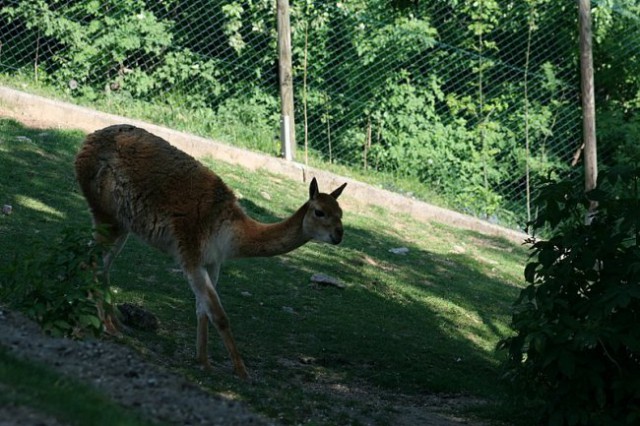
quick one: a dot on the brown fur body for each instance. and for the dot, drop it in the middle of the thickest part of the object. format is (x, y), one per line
(135, 182)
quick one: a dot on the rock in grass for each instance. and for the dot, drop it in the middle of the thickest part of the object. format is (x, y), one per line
(399, 250)
(323, 279)
(137, 317)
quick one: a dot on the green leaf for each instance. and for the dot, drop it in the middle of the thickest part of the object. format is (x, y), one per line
(530, 272)
(89, 320)
(566, 363)
(62, 324)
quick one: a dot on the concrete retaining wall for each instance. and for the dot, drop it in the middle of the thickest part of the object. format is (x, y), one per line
(31, 109)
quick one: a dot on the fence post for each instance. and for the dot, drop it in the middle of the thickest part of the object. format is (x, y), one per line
(588, 101)
(287, 122)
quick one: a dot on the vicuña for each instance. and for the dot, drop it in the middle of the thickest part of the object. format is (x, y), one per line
(136, 182)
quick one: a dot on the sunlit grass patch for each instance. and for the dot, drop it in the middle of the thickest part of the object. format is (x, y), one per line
(39, 206)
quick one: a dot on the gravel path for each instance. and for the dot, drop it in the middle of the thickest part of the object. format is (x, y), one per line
(117, 371)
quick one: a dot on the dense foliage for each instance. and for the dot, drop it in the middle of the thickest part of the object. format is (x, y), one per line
(576, 350)
(476, 100)
(55, 284)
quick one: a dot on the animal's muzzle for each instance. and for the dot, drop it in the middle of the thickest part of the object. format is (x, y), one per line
(336, 236)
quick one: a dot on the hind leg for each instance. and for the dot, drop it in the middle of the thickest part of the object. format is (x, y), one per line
(113, 239)
(113, 244)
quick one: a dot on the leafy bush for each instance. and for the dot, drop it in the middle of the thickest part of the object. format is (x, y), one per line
(76, 35)
(56, 285)
(576, 350)
(619, 133)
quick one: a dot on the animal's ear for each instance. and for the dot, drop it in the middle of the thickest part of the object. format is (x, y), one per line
(313, 189)
(335, 194)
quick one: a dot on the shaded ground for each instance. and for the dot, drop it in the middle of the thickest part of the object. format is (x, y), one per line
(163, 396)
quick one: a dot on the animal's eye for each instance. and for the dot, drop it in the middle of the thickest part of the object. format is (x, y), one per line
(318, 213)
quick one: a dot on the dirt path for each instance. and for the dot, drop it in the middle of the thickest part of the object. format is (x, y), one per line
(117, 371)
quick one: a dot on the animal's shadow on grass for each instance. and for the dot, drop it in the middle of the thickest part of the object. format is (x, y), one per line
(423, 325)
(257, 212)
(395, 324)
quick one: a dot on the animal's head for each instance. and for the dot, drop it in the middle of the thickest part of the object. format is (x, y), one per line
(323, 219)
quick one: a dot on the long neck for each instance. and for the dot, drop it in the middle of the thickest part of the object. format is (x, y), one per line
(255, 239)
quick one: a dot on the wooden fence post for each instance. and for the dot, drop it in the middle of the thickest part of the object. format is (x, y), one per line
(588, 100)
(285, 75)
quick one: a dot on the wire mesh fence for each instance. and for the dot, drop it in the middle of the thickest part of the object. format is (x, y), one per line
(475, 100)
(202, 66)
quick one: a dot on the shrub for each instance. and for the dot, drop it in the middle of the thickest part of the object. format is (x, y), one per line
(56, 285)
(576, 350)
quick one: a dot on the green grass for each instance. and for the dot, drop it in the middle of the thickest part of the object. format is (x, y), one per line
(422, 323)
(34, 385)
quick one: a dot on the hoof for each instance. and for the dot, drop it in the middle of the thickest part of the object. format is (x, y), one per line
(241, 371)
(111, 328)
(204, 363)
(243, 375)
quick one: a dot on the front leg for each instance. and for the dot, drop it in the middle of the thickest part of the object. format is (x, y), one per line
(202, 341)
(208, 307)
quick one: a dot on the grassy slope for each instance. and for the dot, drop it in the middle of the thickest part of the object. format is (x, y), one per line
(231, 130)
(426, 322)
